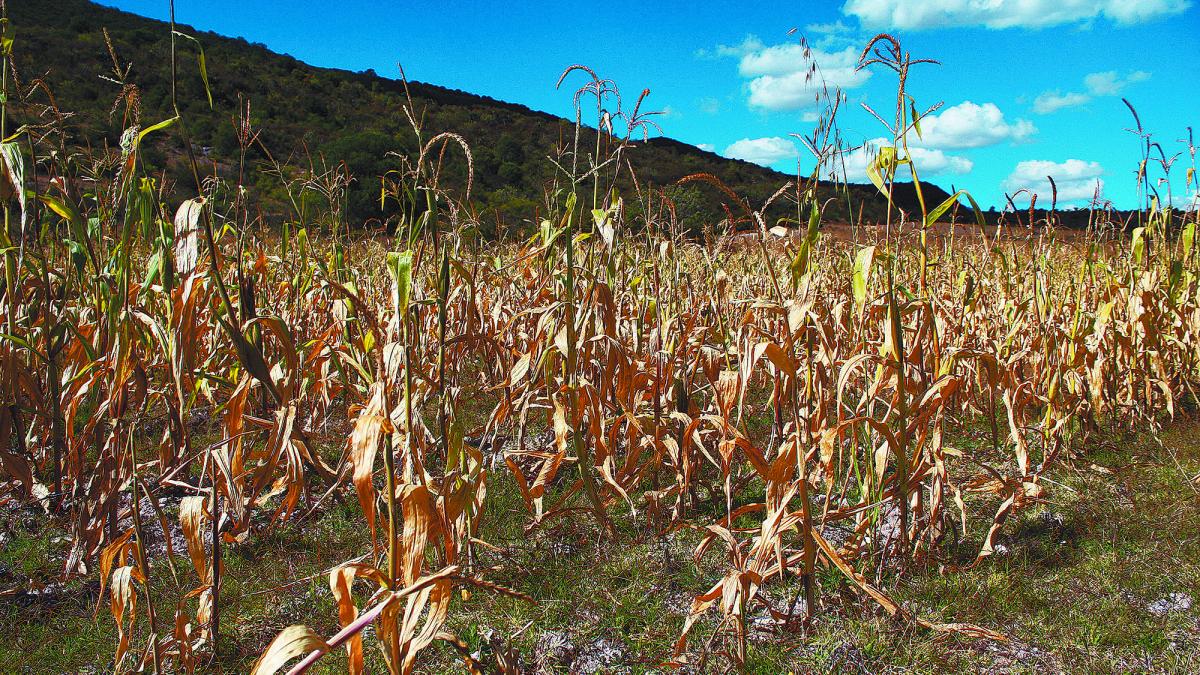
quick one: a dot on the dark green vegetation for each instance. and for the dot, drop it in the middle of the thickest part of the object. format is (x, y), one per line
(1097, 580)
(330, 116)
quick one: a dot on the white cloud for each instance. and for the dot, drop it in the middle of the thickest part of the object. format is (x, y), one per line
(832, 36)
(960, 127)
(1127, 13)
(936, 162)
(787, 92)
(1051, 101)
(838, 27)
(709, 105)
(791, 77)
(970, 125)
(1077, 180)
(707, 147)
(928, 14)
(764, 151)
(1108, 83)
(751, 43)
(784, 78)
(1190, 201)
(929, 162)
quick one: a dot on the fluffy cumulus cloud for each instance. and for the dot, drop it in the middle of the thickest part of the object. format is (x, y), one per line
(852, 166)
(936, 162)
(970, 125)
(964, 126)
(790, 77)
(1077, 180)
(931, 14)
(764, 151)
(1108, 83)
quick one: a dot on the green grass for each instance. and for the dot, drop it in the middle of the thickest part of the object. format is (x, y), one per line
(1073, 587)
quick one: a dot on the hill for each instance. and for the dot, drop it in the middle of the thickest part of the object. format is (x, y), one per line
(304, 111)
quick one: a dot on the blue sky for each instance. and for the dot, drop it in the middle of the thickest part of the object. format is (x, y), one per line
(1029, 87)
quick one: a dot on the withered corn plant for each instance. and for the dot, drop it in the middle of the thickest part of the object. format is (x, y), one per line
(608, 341)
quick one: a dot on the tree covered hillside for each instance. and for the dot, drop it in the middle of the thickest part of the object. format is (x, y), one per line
(328, 116)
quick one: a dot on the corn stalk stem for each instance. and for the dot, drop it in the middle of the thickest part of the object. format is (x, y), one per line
(586, 464)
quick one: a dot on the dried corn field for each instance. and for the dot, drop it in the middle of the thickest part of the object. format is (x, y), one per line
(793, 401)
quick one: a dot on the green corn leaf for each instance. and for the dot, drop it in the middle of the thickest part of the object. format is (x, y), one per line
(153, 269)
(67, 212)
(152, 128)
(25, 344)
(800, 263)
(203, 67)
(881, 168)
(400, 265)
(1139, 244)
(975, 207)
(78, 255)
(942, 208)
(1174, 277)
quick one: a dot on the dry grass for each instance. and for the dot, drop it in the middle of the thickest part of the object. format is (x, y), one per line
(792, 430)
